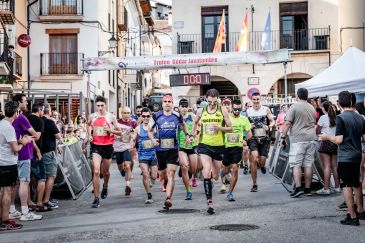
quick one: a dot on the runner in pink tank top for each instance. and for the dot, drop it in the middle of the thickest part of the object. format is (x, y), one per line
(103, 126)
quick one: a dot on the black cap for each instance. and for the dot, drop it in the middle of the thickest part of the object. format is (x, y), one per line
(183, 102)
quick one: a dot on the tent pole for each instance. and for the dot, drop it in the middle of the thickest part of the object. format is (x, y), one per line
(285, 80)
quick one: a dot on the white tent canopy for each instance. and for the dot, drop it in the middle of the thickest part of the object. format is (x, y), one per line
(346, 73)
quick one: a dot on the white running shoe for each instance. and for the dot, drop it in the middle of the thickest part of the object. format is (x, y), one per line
(338, 189)
(15, 215)
(149, 201)
(30, 217)
(223, 189)
(323, 192)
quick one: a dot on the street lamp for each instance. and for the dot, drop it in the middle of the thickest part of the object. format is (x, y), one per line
(112, 46)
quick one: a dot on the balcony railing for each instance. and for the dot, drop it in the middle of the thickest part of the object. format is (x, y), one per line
(298, 40)
(61, 63)
(61, 7)
(7, 11)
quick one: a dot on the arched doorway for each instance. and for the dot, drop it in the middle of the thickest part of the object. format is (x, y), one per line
(223, 85)
(278, 88)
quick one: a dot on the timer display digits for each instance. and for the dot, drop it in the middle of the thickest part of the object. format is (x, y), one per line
(189, 79)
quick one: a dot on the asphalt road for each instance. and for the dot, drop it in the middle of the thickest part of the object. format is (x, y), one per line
(277, 217)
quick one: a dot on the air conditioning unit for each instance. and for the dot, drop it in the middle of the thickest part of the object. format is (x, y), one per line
(11, 32)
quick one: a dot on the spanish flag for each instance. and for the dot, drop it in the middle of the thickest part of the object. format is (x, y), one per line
(242, 44)
(221, 37)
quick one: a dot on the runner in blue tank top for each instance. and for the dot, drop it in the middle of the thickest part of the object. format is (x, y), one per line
(146, 153)
(167, 123)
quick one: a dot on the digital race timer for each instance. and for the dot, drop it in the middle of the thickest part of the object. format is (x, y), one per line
(189, 79)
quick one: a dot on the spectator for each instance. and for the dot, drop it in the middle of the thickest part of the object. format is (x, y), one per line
(51, 133)
(23, 128)
(9, 147)
(300, 120)
(319, 112)
(59, 123)
(350, 127)
(328, 150)
(280, 120)
(70, 136)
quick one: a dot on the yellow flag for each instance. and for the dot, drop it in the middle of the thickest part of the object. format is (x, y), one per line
(221, 37)
(242, 44)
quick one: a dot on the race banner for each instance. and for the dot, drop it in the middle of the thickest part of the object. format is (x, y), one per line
(185, 60)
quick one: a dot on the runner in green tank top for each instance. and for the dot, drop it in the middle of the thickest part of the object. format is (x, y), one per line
(211, 146)
(234, 142)
(188, 159)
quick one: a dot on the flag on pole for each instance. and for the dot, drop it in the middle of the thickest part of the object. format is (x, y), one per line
(221, 36)
(242, 44)
(266, 42)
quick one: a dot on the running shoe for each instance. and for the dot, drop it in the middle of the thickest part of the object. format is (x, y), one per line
(230, 197)
(54, 200)
(254, 188)
(337, 189)
(30, 217)
(15, 215)
(10, 225)
(122, 172)
(96, 203)
(350, 221)
(323, 192)
(297, 192)
(263, 170)
(193, 182)
(189, 196)
(341, 207)
(50, 205)
(307, 192)
(245, 169)
(149, 201)
(210, 209)
(104, 193)
(128, 191)
(361, 215)
(164, 188)
(223, 189)
(168, 203)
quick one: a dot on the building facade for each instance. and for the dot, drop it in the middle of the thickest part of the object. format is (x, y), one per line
(313, 30)
(63, 32)
(13, 64)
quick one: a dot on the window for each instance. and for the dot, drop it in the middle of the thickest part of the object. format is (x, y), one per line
(211, 18)
(58, 7)
(63, 56)
(294, 25)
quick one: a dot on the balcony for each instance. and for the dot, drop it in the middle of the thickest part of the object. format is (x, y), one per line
(61, 64)
(17, 67)
(61, 10)
(317, 39)
(7, 12)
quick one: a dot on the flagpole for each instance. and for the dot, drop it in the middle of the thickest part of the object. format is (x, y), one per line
(225, 34)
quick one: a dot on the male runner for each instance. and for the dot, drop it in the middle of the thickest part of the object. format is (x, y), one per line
(234, 142)
(211, 146)
(122, 148)
(146, 153)
(261, 120)
(167, 123)
(102, 142)
(187, 156)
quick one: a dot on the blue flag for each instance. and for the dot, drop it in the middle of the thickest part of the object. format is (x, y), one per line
(266, 42)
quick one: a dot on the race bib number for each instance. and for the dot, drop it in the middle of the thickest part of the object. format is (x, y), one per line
(100, 131)
(209, 129)
(167, 143)
(126, 138)
(233, 138)
(259, 132)
(147, 144)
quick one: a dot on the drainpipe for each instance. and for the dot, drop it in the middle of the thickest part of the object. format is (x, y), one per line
(28, 49)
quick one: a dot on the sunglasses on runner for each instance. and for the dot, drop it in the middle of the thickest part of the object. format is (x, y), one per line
(237, 109)
(212, 102)
(148, 116)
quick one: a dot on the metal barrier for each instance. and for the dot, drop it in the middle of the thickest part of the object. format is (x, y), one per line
(74, 169)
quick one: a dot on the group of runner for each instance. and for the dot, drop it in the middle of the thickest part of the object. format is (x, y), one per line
(213, 141)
